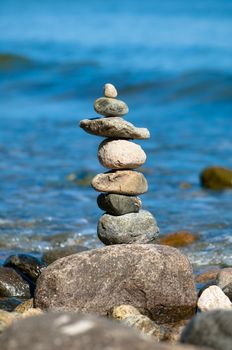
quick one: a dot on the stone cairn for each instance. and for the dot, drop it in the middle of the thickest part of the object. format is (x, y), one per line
(123, 221)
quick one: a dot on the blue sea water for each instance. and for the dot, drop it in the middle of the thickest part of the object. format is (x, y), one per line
(171, 61)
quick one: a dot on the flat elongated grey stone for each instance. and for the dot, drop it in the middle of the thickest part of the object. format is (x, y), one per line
(114, 127)
(120, 154)
(117, 204)
(130, 228)
(121, 181)
(110, 107)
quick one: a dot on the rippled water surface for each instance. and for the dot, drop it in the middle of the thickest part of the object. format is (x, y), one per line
(171, 62)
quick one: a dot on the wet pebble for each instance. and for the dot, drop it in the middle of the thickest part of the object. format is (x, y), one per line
(12, 284)
(28, 265)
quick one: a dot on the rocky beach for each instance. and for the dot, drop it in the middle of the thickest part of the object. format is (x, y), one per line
(115, 234)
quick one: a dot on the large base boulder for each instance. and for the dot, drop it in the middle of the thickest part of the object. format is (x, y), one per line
(156, 279)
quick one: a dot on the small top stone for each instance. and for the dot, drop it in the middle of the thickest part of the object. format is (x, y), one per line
(110, 90)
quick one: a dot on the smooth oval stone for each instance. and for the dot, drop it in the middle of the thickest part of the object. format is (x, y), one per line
(110, 107)
(12, 284)
(117, 204)
(130, 228)
(120, 182)
(114, 127)
(28, 265)
(121, 154)
(110, 90)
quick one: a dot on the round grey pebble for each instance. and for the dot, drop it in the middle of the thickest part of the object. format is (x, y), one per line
(116, 204)
(130, 228)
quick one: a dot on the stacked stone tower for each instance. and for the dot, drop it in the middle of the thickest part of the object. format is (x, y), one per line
(124, 221)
